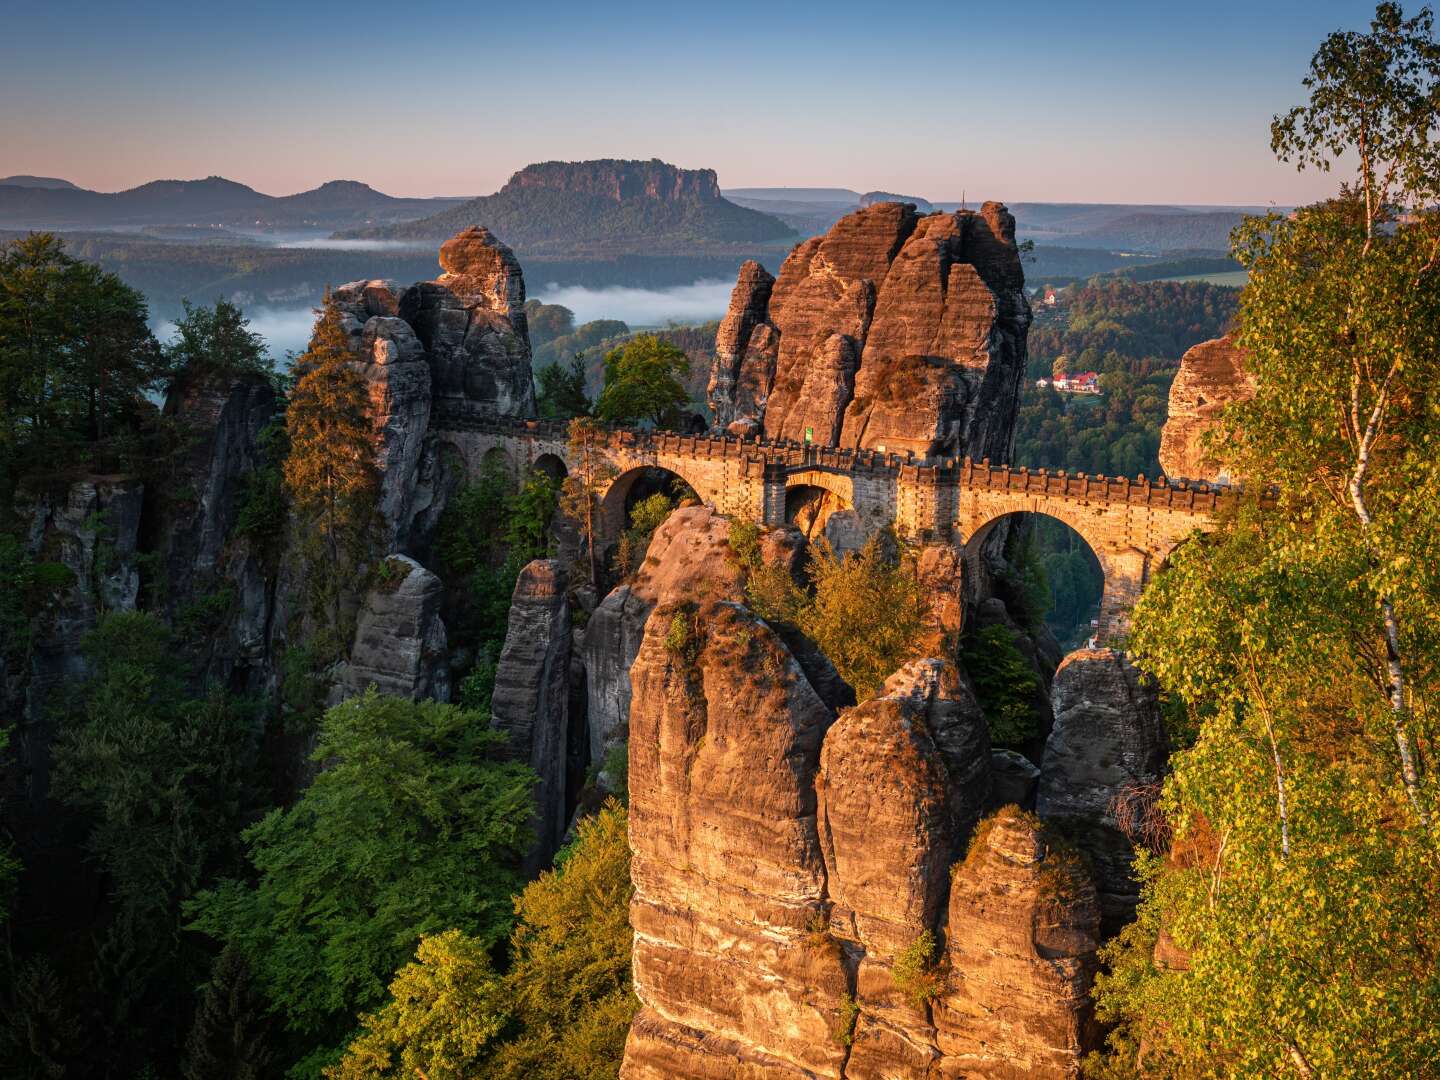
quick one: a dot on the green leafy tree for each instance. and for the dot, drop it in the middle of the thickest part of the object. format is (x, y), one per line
(1005, 684)
(1302, 639)
(330, 473)
(216, 342)
(647, 516)
(563, 1009)
(413, 826)
(445, 1009)
(161, 782)
(76, 355)
(643, 382)
(561, 390)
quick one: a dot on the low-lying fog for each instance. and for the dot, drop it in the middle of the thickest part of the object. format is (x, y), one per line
(287, 329)
(700, 301)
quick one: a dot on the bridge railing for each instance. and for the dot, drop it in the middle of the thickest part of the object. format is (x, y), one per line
(1179, 494)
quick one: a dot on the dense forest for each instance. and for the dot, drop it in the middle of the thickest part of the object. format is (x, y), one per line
(1133, 334)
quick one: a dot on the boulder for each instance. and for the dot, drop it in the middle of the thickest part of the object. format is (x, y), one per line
(892, 330)
(1024, 925)
(1212, 374)
(471, 321)
(400, 642)
(531, 702)
(1108, 739)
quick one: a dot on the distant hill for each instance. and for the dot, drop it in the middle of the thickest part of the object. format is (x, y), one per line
(870, 198)
(600, 207)
(214, 201)
(53, 183)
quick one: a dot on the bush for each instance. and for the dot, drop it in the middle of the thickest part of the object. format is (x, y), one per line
(1005, 685)
(914, 971)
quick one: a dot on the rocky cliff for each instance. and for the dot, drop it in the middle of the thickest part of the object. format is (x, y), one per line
(1212, 374)
(619, 180)
(894, 330)
(790, 863)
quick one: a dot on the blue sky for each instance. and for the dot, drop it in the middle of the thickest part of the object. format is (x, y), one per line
(1108, 102)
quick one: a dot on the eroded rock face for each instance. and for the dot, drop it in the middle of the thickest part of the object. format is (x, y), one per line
(689, 548)
(734, 382)
(902, 781)
(531, 700)
(93, 530)
(1024, 925)
(400, 641)
(893, 329)
(1212, 374)
(191, 520)
(729, 882)
(1108, 739)
(471, 321)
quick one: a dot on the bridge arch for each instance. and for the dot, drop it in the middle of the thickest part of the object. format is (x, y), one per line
(814, 496)
(633, 484)
(552, 465)
(1124, 569)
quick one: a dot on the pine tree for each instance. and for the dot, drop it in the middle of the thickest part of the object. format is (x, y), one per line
(330, 472)
(587, 482)
(230, 1036)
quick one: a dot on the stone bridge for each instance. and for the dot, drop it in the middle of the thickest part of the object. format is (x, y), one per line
(1130, 525)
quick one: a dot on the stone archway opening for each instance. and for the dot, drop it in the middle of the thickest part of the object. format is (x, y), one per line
(496, 463)
(809, 508)
(633, 507)
(1054, 575)
(551, 465)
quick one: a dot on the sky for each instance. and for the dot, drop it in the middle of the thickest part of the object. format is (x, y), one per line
(1081, 101)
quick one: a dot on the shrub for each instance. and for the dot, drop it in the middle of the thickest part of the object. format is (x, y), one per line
(914, 971)
(1005, 684)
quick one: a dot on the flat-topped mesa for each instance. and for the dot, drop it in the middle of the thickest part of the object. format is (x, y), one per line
(619, 180)
(894, 331)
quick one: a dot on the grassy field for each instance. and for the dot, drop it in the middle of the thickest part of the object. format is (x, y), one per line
(1234, 279)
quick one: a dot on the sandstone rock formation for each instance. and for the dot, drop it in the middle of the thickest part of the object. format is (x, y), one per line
(93, 530)
(729, 881)
(903, 779)
(1023, 929)
(787, 863)
(400, 639)
(1108, 739)
(744, 362)
(1212, 374)
(687, 555)
(891, 330)
(461, 339)
(531, 702)
(190, 522)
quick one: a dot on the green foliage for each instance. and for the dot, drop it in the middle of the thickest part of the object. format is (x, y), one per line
(844, 1033)
(230, 1036)
(412, 826)
(1005, 684)
(1133, 335)
(867, 614)
(263, 508)
(330, 476)
(466, 535)
(866, 611)
(529, 513)
(1302, 638)
(76, 357)
(161, 782)
(216, 342)
(445, 1008)
(27, 588)
(914, 971)
(645, 517)
(561, 1012)
(642, 383)
(561, 393)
